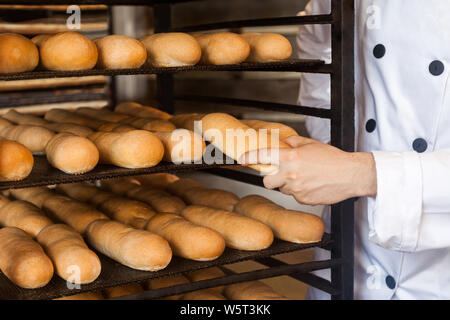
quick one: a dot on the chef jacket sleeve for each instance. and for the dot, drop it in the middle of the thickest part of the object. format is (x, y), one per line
(411, 211)
(314, 42)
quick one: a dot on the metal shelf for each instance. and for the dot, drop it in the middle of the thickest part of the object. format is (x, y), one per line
(87, 2)
(115, 274)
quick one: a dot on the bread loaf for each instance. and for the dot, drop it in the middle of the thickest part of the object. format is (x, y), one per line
(16, 161)
(76, 214)
(137, 249)
(240, 232)
(36, 195)
(158, 199)
(268, 47)
(102, 114)
(150, 124)
(288, 225)
(120, 52)
(65, 116)
(73, 260)
(223, 48)
(234, 138)
(207, 274)
(37, 40)
(181, 186)
(17, 53)
(172, 49)
(138, 110)
(254, 290)
(33, 137)
(72, 154)
(120, 186)
(186, 239)
(25, 216)
(23, 260)
(182, 146)
(121, 291)
(284, 131)
(71, 128)
(25, 119)
(67, 51)
(132, 149)
(115, 127)
(84, 296)
(187, 120)
(164, 282)
(203, 295)
(83, 192)
(157, 180)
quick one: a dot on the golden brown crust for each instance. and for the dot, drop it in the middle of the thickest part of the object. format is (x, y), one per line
(120, 52)
(17, 53)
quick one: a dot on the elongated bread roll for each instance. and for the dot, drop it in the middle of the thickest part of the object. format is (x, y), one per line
(284, 131)
(121, 291)
(72, 154)
(120, 186)
(76, 214)
(186, 239)
(3, 201)
(102, 114)
(120, 52)
(182, 146)
(24, 119)
(158, 199)
(36, 195)
(65, 116)
(180, 186)
(73, 260)
(137, 249)
(157, 180)
(206, 274)
(172, 49)
(164, 282)
(16, 161)
(23, 260)
(203, 295)
(25, 216)
(288, 225)
(234, 138)
(17, 53)
(187, 120)
(151, 124)
(239, 232)
(68, 51)
(268, 47)
(115, 127)
(83, 192)
(254, 290)
(33, 137)
(70, 128)
(132, 149)
(223, 48)
(84, 296)
(138, 110)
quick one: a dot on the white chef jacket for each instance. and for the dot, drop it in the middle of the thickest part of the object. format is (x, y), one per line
(402, 65)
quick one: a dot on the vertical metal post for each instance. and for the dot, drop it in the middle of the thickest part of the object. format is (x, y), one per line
(164, 82)
(112, 80)
(342, 136)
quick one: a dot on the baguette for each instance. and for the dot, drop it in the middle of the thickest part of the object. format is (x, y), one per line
(25, 216)
(33, 137)
(240, 232)
(138, 110)
(24, 119)
(76, 214)
(223, 48)
(16, 161)
(121, 291)
(187, 120)
(172, 49)
(181, 186)
(267, 47)
(83, 192)
(120, 186)
(120, 52)
(156, 180)
(150, 124)
(22, 260)
(234, 138)
(284, 131)
(254, 290)
(158, 199)
(102, 114)
(17, 53)
(165, 282)
(288, 225)
(186, 239)
(74, 129)
(36, 195)
(115, 127)
(182, 146)
(137, 249)
(65, 116)
(73, 260)
(207, 274)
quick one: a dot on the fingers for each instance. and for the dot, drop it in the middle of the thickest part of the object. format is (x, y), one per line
(262, 156)
(274, 181)
(298, 141)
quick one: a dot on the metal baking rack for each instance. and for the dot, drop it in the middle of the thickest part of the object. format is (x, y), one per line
(341, 114)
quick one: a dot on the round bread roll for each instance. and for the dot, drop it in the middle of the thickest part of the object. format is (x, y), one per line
(68, 51)
(16, 161)
(223, 48)
(172, 49)
(120, 52)
(17, 53)
(268, 47)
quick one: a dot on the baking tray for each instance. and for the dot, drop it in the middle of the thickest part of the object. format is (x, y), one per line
(114, 274)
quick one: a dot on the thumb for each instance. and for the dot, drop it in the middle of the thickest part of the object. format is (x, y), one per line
(298, 141)
(261, 156)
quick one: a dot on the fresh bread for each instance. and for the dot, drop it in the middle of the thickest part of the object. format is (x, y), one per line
(36, 195)
(72, 154)
(132, 149)
(186, 239)
(73, 260)
(25, 216)
(206, 294)
(22, 260)
(124, 290)
(33, 137)
(84, 296)
(150, 124)
(115, 127)
(102, 114)
(156, 180)
(223, 48)
(180, 186)
(137, 249)
(284, 131)
(120, 52)
(240, 232)
(79, 191)
(24, 119)
(187, 120)
(120, 186)
(76, 214)
(254, 290)
(267, 47)
(37, 40)
(158, 199)
(164, 282)
(71, 128)
(65, 116)
(67, 51)
(234, 138)
(288, 225)
(172, 49)
(138, 110)
(182, 146)
(207, 274)
(16, 161)
(17, 53)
